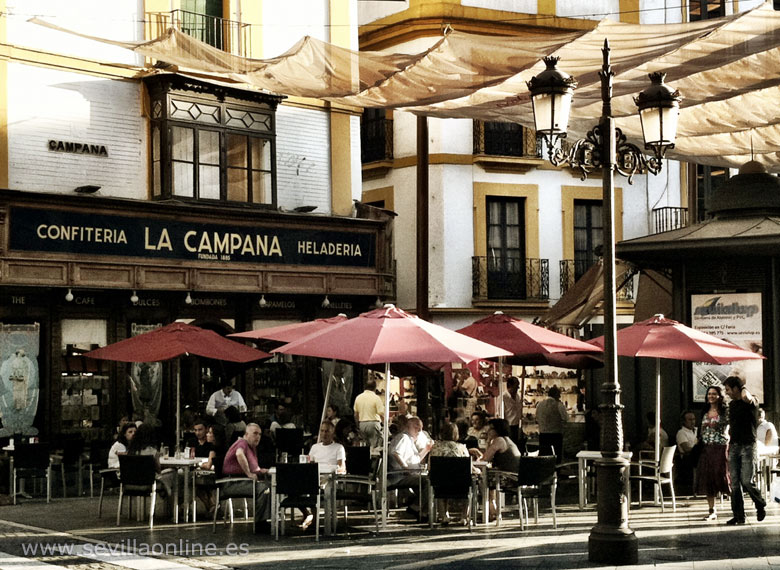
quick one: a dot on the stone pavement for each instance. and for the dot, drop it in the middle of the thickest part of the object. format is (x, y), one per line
(74, 538)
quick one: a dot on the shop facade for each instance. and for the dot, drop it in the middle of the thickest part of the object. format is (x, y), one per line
(91, 271)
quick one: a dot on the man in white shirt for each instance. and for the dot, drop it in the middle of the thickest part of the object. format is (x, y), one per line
(686, 441)
(406, 462)
(224, 397)
(513, 407)
(369, 410)
(329, 455)
(766, 434)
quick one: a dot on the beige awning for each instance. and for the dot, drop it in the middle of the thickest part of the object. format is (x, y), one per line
(725, 68)
(584, 299)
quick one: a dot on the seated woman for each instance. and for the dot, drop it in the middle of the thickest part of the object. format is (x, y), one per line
(448, 446)
(143, 443)
(126, 434)
(204, 481)
(332, 414)
(502, 453)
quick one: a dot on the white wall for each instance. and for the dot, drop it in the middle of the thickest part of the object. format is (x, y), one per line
(303, 158)
(376, 9)
(115, 19)
(45, 104)
(285, 22)
(521, 6)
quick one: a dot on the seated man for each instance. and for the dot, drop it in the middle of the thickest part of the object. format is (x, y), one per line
(406, 461)
(329, 455)
(687, 460)
(241, 460)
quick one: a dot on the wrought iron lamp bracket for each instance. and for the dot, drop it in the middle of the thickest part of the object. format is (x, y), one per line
(586, 155)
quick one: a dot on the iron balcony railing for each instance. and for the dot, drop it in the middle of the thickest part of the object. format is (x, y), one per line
(228, 35)
(500, 278)
(669, 218)
(572, 269)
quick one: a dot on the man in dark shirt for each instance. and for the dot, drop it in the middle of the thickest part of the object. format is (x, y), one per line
(742, 450)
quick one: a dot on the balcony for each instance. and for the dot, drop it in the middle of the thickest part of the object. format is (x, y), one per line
(495, 279)
(669, 218)
(572, 269)
(228, 35)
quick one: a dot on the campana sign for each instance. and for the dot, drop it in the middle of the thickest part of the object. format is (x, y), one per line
(78, 148)
(35, 229)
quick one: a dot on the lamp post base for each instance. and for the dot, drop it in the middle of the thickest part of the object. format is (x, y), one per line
(611, 541)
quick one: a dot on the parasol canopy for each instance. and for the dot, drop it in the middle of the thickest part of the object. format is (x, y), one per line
(529, 344)
(282, 334)
(659, 337)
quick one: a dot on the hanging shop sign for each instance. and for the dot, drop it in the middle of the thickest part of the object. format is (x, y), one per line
(735, 317)
(37, 229)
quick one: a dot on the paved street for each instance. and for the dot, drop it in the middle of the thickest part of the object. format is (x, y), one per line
(82, 541)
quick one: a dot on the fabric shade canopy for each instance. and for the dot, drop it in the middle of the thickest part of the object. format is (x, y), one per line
(725, 69)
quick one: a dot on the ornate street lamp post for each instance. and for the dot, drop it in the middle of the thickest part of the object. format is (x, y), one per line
(611, 540)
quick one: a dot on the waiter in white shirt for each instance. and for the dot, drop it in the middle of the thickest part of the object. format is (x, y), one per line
(513, 407)
(223, 398)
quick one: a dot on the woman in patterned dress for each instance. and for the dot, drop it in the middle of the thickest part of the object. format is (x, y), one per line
(713, 470)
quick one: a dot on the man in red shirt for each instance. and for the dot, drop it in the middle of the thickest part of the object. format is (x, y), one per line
(241, 460)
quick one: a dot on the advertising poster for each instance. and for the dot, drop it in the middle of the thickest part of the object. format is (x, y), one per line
(735, 317)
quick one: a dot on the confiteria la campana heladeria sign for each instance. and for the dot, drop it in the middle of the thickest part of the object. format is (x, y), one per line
(38, 229)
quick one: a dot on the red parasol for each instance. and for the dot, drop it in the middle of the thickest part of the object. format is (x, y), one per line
(390, 335)
(283, 334)
(529, 344)
(175, 340)
(659, 337)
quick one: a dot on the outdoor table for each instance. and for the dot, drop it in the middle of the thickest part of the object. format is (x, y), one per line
(483, 467)
(187, 465)
(582, 471)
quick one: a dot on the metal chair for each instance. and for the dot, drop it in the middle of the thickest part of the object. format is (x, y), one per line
(229, 488)
(137, 478)
(297, 486)
(358, 485)
(534, 474)
(659, 474)
(28, 461)
(96, 461)
(451, 478)
(70, 460)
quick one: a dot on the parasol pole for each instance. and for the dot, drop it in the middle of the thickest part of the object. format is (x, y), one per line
(657, 411)
(331, 378)
(385, 434)
(501, 383)
(177, 367)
